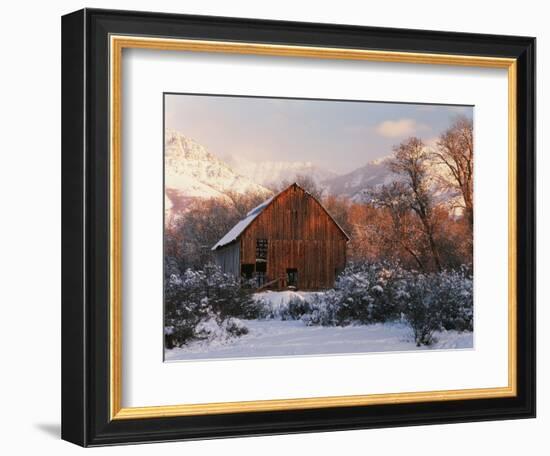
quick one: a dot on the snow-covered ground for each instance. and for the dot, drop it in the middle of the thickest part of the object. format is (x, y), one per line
(290, 338)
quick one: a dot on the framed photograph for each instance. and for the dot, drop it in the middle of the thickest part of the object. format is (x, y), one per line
(278, 227)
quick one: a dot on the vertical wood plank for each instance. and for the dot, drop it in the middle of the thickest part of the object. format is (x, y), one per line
(301, 235)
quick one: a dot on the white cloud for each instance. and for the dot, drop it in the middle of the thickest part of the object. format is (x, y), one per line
(400, 128)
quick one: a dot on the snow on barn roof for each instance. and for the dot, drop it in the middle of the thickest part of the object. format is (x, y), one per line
(237, 230)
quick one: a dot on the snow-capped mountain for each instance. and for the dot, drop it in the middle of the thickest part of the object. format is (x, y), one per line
(357, 184)
(354, 184)
(193, 172)
(271, 173)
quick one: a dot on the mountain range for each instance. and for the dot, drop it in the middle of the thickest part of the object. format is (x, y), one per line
(271, 173)
(193, 172)
(354, 184)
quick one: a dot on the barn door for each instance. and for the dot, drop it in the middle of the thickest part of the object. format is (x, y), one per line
(247, 271)
(292, 277)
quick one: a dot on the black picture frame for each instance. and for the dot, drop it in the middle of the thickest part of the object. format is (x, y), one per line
(85, 228)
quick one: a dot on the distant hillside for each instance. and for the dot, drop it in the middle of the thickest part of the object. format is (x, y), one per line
(354, 184)
(357, 184)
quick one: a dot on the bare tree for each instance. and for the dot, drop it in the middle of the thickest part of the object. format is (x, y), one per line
(411, 160)
(244, 202)
(339, 207)
(204, 223)
(396, 198)
(455, 150)
(188, 241)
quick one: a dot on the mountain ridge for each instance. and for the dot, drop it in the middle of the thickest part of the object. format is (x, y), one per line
(191, 172)
(271, 173)
(371, 175)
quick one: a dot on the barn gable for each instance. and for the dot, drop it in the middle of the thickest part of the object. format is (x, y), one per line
(235, 233)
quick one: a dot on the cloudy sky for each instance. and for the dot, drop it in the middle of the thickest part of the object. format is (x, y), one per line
(337, 135)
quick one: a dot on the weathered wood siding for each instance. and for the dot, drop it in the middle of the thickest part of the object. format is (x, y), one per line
(228, 259)
(300, 235)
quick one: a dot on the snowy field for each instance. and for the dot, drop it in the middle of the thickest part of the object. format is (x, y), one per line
(268, 338)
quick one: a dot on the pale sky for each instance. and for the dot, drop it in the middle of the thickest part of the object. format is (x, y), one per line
(338, 135)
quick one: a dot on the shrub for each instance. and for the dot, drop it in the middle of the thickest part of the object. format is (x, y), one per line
(372, 293)
(367, 293)
(215, 329)
(205, 304)
(323, 309)
(420, 308)
(236, 327)
(297, 306)
(284, 306)
(363, 293)
(431, 302)
(456, 290)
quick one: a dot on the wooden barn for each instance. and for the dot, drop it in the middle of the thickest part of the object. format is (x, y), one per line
(290, 240)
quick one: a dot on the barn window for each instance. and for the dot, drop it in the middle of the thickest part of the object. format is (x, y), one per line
(261, 249)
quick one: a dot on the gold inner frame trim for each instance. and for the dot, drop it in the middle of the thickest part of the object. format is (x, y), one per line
(117, 44)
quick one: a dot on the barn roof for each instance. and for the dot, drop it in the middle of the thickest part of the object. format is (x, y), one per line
(234, 233)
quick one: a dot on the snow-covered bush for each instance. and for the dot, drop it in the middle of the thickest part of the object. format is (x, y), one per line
(455, 288)
(363, 293)
(285, 305)
(324, 309)
(436, 301)
(205, 304)
(297, 307)
(235, 327)
(216, 329)
(420, 307)
(367, 293)
(376, 293)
